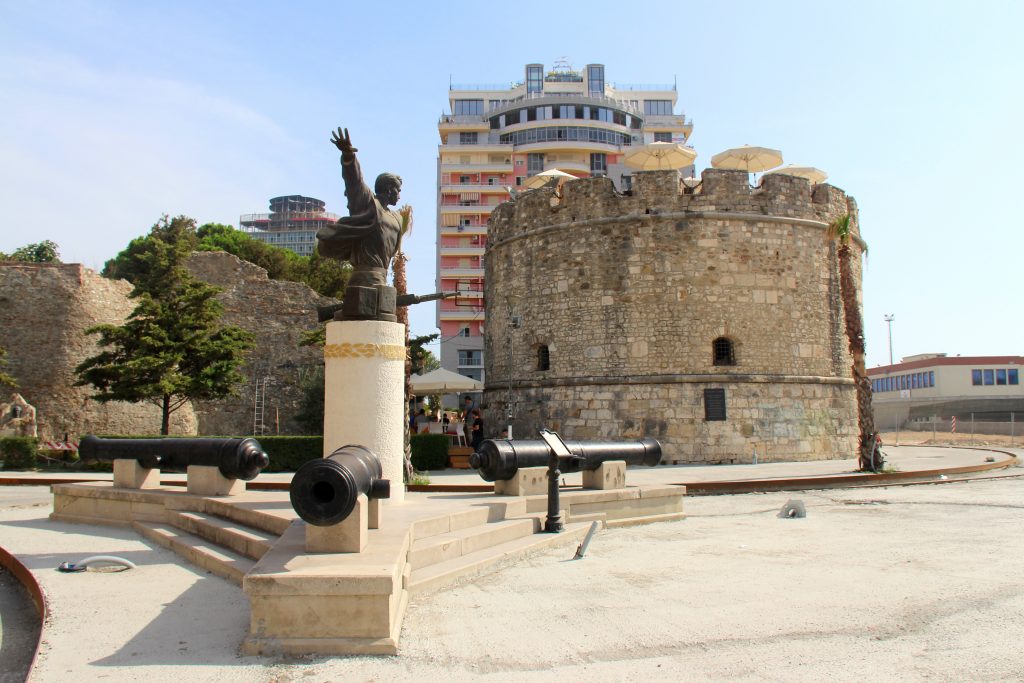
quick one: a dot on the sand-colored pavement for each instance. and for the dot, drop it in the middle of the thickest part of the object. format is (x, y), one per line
(898, 583)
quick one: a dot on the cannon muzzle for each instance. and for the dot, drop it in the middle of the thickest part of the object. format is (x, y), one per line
(324, 491)
(499, 459)
(235, 458)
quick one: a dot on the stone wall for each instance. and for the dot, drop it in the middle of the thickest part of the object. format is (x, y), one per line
(277, 312)
(627, 293)
(45, 308)
(44, 311)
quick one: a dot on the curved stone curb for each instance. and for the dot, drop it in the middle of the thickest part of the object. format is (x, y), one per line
(25, 577)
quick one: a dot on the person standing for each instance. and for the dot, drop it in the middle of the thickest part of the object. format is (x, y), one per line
(477, 429)
(467, 418)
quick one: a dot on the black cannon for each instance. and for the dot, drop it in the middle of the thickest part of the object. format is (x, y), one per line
(324, 491)
(500, 458)
(235, 458)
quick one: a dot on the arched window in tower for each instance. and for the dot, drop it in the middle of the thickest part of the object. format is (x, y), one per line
(543, 357)
(722, 351)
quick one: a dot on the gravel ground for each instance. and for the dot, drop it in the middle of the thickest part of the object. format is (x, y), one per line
(902, 583)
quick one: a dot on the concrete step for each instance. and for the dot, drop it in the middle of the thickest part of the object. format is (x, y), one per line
(448, 546)
(200, 552)
(238, 537)
(437, 575)
(247, 514)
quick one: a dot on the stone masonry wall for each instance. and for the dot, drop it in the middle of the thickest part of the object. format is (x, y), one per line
(44, 309)
(628, 293)
(44, 312)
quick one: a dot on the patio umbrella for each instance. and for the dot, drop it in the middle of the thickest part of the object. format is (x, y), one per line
(660, 156)
(747, 158)
(443, 381)
(543, 178)
(815, 175)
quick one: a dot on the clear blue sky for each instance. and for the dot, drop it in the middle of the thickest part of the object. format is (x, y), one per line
(113, 113)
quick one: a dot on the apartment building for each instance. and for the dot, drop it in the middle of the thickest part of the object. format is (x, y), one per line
(292, 223)
(497, 137)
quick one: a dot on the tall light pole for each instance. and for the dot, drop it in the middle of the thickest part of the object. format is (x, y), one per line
(889, 317)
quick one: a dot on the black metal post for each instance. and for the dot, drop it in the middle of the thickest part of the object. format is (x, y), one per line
(553, 524)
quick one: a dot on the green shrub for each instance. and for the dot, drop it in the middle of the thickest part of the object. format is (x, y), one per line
(429, 451)
(18, 452)
(289, 453)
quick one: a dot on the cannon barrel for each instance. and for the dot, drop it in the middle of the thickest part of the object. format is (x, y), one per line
(324, 491)
(501, 458)
(235, 458)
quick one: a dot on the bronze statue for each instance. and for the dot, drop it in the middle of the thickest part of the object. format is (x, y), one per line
(367, 238)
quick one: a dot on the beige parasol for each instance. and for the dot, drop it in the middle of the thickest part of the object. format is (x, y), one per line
(442, 381)
(815, 175)
(543, 178)
(747, 158)
(660, 156)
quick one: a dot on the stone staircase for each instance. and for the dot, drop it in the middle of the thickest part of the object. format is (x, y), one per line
(442, 550)
(218, 541)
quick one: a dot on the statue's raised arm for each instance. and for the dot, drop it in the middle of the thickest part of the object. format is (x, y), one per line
(368, 237)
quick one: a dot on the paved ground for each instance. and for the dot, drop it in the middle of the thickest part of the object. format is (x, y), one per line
(899, 583)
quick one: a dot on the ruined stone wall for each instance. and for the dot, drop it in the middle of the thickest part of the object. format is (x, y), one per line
(45, 308)
(44, 311)
(277, 313)
(629, 292)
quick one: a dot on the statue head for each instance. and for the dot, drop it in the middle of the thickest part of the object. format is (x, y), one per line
(387, 187)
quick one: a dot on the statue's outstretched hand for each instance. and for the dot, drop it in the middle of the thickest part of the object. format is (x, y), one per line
(343, 142)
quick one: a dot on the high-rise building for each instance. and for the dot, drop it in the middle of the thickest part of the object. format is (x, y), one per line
(292, 223)
(496, 138)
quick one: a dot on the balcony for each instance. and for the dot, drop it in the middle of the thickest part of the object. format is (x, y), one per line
(467, 313)
(470, 209)
(455, 273)
(455, 188)
(496, 166)
(464, 229)
(467, 123)
(475, 251)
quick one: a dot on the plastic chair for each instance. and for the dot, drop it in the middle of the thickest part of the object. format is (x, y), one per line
(459, 437)
(435, 428)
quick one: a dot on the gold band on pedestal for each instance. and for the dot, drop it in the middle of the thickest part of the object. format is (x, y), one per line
(386, 351)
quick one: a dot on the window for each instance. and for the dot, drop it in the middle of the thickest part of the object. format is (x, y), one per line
(534, 163)
(989, 377)
(931, 378)
(1011, 376)
(566, 111)
(595, 79)
(663, 137)
(658, 107)
(543, 358)
(519, 179)
(534, 78)
(723, 353)
(464, 179)
(714, 404)
(467, 138)
(598, 163)
(494, 104)
(627, 183)
(976, 377)
(1000, 376)
(469, 107)
(463, 331)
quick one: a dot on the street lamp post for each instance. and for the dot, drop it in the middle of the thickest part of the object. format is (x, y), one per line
(889, 317)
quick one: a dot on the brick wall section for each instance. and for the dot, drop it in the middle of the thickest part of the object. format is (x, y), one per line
(44, 310)
(628, 293)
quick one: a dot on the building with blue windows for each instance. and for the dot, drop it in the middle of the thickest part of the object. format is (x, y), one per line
(935, 386)
(292, 223)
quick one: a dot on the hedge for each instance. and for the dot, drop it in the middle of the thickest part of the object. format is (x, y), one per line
(289, 453)
(18, 452)
(429, 451)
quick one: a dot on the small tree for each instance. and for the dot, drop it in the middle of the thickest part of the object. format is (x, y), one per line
(40, 252)
(171, 349)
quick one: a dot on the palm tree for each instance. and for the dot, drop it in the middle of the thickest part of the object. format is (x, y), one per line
(839, 232)
(402, 287)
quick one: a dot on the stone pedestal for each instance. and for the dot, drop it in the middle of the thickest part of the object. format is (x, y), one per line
(349, 535)
(528, 481)
(609, 475)
(364, 377)
(208, 481)
(129, 474)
